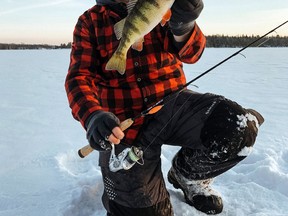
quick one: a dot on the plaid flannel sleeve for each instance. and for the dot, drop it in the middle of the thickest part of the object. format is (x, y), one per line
(79, 86)
(194, 47)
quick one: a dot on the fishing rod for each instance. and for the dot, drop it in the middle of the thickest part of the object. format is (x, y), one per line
(86, 150)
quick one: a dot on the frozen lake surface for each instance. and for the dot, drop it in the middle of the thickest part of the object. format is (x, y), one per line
(41, 173)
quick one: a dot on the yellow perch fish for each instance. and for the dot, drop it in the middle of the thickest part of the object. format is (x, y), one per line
(141, 19)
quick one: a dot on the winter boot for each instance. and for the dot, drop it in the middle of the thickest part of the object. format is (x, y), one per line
(198, 193)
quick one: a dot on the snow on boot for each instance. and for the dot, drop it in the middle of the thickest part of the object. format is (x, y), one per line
(198, 193)
(258, 116)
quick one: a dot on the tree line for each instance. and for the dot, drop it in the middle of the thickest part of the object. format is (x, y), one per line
(212, 41)
(22, 46)
(243, 40)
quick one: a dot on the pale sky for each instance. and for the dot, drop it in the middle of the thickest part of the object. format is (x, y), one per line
(53, 21)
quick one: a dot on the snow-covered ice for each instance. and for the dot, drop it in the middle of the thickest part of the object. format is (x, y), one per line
(41, 173)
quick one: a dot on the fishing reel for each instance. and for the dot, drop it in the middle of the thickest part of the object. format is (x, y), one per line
(125, 159)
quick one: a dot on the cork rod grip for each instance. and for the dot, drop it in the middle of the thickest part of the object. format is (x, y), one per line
(86, 150)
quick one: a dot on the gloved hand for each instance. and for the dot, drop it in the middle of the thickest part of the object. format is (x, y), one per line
(100, 126)
(184, 14)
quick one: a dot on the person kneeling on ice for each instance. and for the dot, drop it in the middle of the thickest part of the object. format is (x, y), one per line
(213, 132)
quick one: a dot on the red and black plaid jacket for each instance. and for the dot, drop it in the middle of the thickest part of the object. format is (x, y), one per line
(150, 74)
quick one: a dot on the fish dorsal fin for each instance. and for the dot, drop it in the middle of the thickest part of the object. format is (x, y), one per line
(130, 5)
(118, 28)
(166, 17)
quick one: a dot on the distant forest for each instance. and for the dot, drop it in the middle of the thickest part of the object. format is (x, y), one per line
(22, 46)
(241, 41)
(212, 41)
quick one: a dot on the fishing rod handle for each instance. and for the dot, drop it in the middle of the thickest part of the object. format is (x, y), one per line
(86, 150)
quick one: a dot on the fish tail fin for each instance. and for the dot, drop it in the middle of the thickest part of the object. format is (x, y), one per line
(117, 62)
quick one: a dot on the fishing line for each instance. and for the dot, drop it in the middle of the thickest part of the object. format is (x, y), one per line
(265, 41)
(180, 90)
(167, 122)
(212, 68)
(231, 56)
(167, 98)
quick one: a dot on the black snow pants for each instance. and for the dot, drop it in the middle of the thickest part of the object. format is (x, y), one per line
(215, 134)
